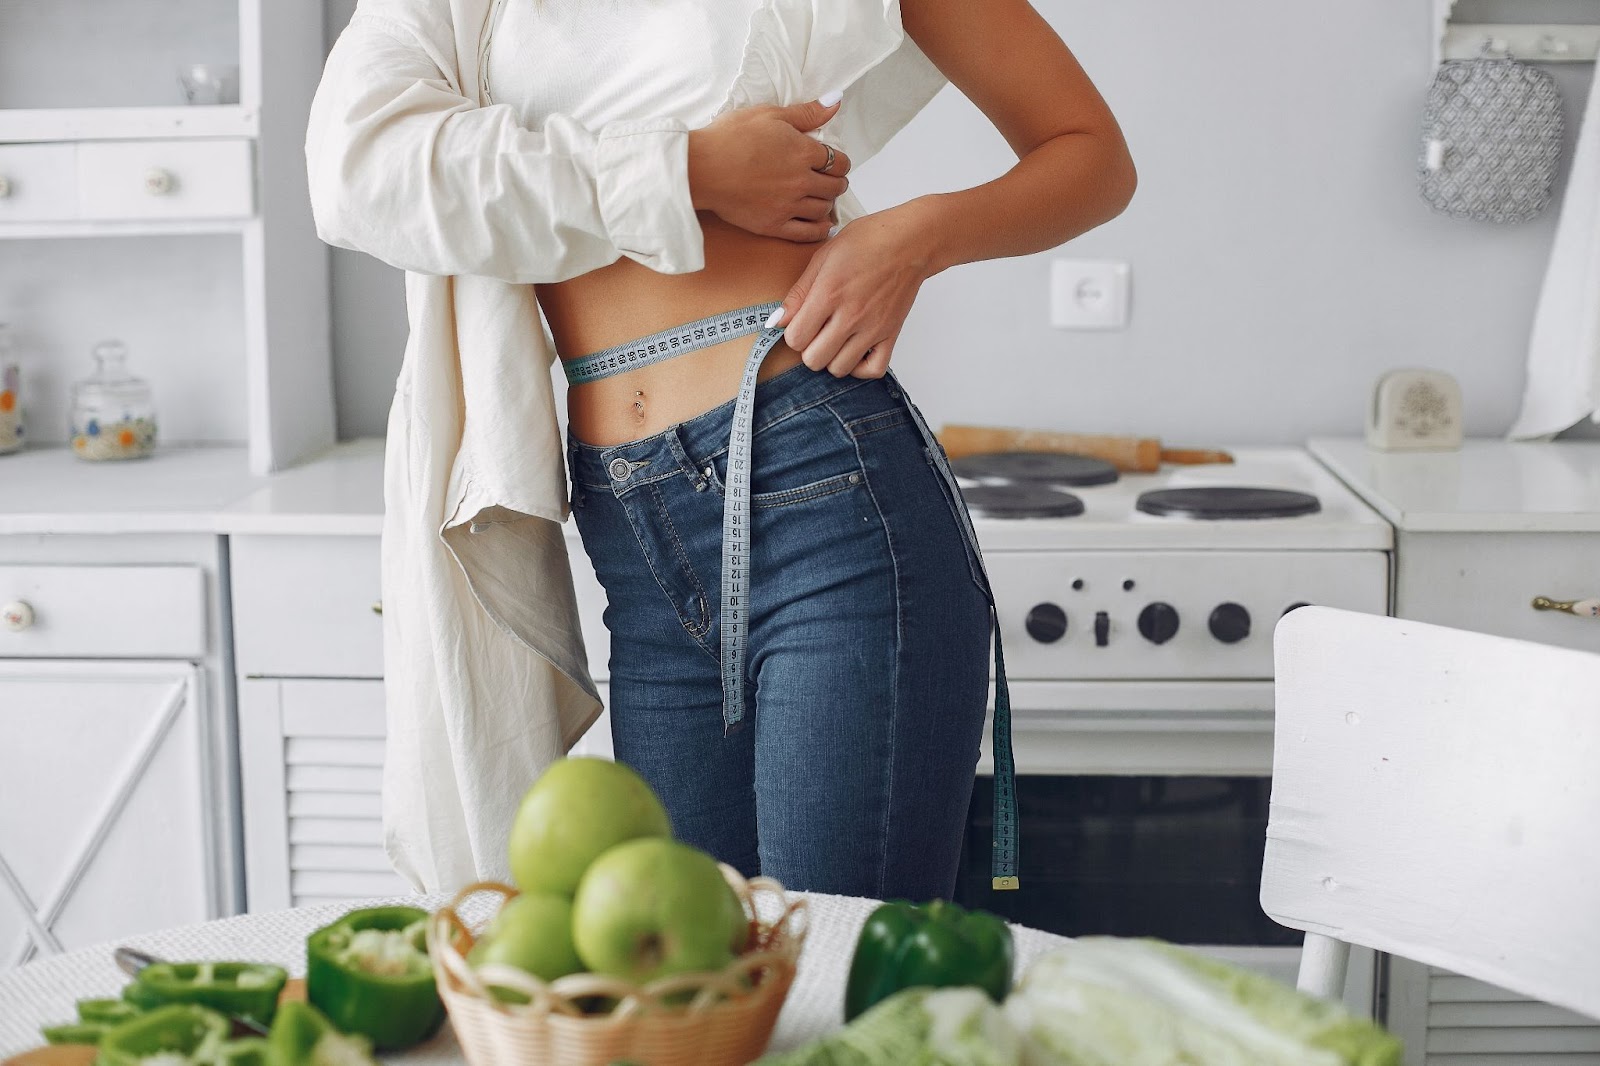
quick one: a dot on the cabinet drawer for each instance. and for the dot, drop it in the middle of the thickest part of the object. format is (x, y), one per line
(166, 180)
(37, 183)
(303, 606)
(1487, 581)
(145, 612)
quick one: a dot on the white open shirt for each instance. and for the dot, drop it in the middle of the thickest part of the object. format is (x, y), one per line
(486, 681)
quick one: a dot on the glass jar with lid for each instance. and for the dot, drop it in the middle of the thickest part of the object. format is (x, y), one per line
(113, 416)
(10, 394)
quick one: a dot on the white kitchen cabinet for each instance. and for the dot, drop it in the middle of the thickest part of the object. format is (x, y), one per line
(217, 281)
(308, 650)
(312, 775)
(312, 764)
(115, 737)
(307, 606)
(1479, 533)
(106, 825)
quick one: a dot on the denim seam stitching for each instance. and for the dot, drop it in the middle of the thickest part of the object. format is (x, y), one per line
(788, 414)
(869, 424)
(817, 490)
(644, 554)
(894, 683)
(687, 567)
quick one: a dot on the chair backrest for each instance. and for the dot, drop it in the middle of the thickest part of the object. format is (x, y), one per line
(1436, 795)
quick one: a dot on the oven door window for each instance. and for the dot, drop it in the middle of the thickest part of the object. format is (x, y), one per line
(1172, 857)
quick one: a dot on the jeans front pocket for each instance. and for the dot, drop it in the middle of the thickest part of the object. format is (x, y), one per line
(804, 456)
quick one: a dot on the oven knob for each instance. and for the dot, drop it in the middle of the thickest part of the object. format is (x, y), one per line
(1046, 623)
(1158, 623)
(1230, 623)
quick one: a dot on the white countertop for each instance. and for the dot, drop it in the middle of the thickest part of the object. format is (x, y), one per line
(192, 489)
(1488, 486)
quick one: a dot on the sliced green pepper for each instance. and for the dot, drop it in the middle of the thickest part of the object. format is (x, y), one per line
(934, 945)
(369, 973)
(302, 1036)
(247, 1051)
(106, 1011)
(74, 1033)
(173, 1035)
(247, 989)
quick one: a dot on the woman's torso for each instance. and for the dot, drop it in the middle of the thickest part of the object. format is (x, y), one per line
(604, 60)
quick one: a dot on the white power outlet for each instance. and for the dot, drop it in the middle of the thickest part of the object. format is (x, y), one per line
(1088, 294)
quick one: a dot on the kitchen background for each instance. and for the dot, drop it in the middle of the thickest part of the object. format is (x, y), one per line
(1281, 258)
(1281, 261)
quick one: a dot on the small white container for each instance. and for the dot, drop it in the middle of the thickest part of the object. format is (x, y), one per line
(10, 395)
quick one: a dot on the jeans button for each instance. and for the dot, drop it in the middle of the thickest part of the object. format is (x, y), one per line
(619, 469)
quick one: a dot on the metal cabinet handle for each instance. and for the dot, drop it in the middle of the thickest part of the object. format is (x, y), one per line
(1582, 608)
(17, 615)
(377, 608)
(158, 182)
(5, 187)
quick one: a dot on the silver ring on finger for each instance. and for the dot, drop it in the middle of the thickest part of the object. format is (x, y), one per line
(824, 168)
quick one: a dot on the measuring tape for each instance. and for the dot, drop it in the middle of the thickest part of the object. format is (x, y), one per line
(1003, 858)
(734, 619)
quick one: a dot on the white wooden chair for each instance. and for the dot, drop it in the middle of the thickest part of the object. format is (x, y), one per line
(1436, 795)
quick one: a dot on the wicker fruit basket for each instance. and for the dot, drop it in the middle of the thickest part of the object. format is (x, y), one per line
(727, 1020)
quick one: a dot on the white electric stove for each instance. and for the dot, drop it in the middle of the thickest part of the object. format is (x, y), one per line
(1117, 592)
(1137, 612)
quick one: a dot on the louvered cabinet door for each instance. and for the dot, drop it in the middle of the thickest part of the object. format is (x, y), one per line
(311, 761)
(1449, 1020)
(105, 803)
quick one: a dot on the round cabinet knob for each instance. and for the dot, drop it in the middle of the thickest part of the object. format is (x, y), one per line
(159, 182)
(1046, 623)
(5, 187)
(1230, 623)
(16, 615)
(1158, 623)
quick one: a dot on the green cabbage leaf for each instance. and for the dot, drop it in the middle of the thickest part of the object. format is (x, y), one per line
(1110, 1001)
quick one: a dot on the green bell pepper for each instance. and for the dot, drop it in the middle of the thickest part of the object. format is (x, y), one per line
(174, 1035)
(246, 1051)
(247, 989)
(933, 945)
(369, 973)
(302, 1036)
(106, 1011)
(74, 1033)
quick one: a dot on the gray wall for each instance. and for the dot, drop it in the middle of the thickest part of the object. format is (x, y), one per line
(1281, 257)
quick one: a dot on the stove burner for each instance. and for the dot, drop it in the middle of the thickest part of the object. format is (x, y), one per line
(1021, 501)
(1226, 501)
(1053, 468)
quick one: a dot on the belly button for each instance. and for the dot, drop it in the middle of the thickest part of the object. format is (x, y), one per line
(638, 407)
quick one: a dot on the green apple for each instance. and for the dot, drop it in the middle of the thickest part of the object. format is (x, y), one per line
(654, 907)
(577, 809)
(532, 932)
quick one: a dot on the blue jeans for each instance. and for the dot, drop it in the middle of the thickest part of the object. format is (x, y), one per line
(868, 637)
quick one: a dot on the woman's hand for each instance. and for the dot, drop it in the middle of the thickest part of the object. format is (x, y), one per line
(756, 168)
(856, 292)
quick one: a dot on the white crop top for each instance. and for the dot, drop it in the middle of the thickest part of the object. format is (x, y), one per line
(602, 61)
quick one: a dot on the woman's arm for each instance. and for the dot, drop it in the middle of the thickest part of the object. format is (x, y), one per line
(1073, 173)
(405, 166)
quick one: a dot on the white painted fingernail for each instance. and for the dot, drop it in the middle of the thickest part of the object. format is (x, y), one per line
(829, 99)
(774, 318)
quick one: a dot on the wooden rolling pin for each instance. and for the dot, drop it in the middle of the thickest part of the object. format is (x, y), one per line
(1132, 455)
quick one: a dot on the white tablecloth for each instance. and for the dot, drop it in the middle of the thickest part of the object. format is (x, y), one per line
(44, 992)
